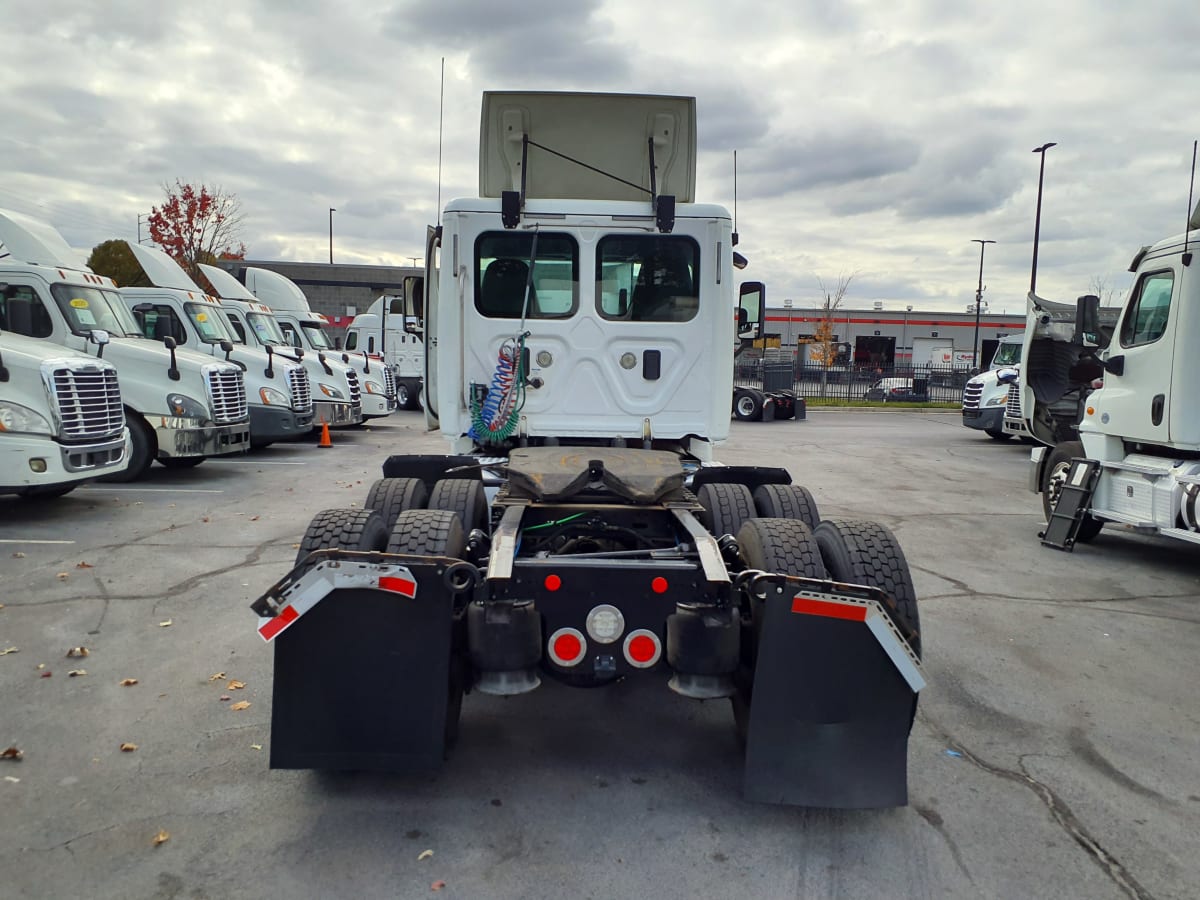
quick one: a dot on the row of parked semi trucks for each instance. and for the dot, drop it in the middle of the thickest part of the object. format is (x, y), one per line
(99, 382)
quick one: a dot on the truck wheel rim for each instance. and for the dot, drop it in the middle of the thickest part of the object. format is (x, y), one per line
(1054, 484)
(745, 405)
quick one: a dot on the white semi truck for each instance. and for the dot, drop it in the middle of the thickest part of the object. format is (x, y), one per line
(278, 391)
(985, 396)
(180, 406)
(336, 399)
(1113, 391)
(580, 327)
(61, 418)
(390, 329)
(306, 329)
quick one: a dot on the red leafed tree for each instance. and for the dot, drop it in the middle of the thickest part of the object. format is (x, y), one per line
(197, 224)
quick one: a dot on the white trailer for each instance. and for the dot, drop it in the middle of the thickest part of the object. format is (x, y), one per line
(390, 328)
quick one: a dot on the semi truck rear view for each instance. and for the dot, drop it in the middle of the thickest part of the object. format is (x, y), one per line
(580, 321)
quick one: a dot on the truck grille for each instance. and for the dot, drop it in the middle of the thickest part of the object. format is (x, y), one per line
(352, 380)
(88, 400)
(971, 395)
(226, 393)
(389, 380)
(1012, 409)
(301, 390)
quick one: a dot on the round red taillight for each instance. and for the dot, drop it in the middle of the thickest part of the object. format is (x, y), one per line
(553, 582)
(642, 648)
(567, 647)
(659, 585)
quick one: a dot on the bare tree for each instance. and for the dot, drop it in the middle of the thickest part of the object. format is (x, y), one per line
(822, 351)
(1102, 288)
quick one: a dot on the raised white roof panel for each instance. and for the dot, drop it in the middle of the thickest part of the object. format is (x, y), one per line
(276, 291)
(161, 269)
(610, 132)
(36, 243)
(226, 286)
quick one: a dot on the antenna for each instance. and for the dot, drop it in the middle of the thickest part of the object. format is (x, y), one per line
(735, 231)
(441, 117)
(1187, 257)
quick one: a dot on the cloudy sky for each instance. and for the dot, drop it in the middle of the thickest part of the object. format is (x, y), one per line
(874, 139)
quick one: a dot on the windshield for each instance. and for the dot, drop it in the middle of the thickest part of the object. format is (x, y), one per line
(209, 324)
(316, 337)
(1007, 355)
(266, 328)
(86, 308)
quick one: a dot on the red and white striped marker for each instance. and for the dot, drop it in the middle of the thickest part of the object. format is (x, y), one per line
(316, 584)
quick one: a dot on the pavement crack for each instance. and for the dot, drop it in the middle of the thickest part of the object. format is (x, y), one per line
(1058, 809)
(934, 820)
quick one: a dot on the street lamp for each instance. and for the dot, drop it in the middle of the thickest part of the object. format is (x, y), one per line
(979, 299)
(331, 212)
(1037, 222)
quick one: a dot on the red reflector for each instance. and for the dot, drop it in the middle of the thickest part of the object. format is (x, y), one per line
(399, 585)
(276, 624)
(642, 649)
(659, 585)
(812, 607)
(553, 582)
(567, 647)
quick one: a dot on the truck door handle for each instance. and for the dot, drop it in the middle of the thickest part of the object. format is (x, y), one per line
(1156, 409)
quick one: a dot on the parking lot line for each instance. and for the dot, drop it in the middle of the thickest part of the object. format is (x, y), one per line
(149, 490)
(254, 462)
(31, 541)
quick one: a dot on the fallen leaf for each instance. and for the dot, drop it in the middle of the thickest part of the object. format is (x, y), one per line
(256, 746)
(63, 576)
(161, 838)
(41, 665)
(216, 676)
(75, 673)
(18, 555)
(128, 747)
(170, 506)
(84, 565)
(1, 606)
(204, 519)
(8, 650)
(437, 885)
(295, 546)
(244, 704)
(235, 685)
(11, 779)
(254, 518)
(128, 682)
(78, 652)
(166, 623)
(12, 753)
(46, 674)
(224, 697)
(425, 854)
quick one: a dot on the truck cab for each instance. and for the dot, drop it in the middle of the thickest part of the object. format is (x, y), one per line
(180, 406)
(278, 390)
(334, 384)
(985, 396)
(305, 329)
(61, 418)
(1114, 388)
(390, 328)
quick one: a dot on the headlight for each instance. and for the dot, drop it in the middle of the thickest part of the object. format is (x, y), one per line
(14, 417)
(998, 401)
(185, 407)
(330, 391)
(272, 397)
(373, 387)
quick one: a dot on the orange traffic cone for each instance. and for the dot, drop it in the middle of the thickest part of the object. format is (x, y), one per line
(325, 441)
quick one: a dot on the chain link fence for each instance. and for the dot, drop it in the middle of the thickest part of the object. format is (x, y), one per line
(922, 384)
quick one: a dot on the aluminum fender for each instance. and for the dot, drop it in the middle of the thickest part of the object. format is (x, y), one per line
(190, 437)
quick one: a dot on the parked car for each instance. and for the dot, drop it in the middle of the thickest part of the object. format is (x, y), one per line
(894, 389)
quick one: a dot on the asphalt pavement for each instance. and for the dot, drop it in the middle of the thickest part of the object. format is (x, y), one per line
(1054, 753)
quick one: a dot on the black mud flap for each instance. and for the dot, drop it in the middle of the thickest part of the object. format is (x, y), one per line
(362, 679)
(830, 710)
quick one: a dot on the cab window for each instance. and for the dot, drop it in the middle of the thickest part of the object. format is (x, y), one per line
(1146, 319)
(352, 340)
(502, 272)
(648, 278)
(22, 312)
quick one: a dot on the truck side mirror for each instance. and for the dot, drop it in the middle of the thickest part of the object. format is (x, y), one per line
(1087, 320)
(100, 338)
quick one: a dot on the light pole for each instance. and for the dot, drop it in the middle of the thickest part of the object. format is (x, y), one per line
(904, 337)
(979, 299)
(331, 212)
(1037, 222)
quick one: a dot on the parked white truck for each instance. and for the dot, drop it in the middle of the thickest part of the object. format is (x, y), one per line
(580, 331)
(390, 329)
(306, 329)
(277, 390)
(1126, 451)
(180, 406)
(985, 396)
(336, 399)
(61, 419)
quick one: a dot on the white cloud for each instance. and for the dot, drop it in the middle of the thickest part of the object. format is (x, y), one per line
(877, 139)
